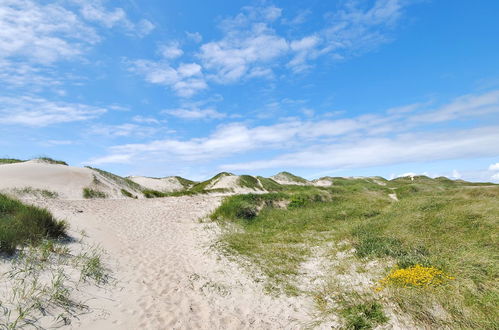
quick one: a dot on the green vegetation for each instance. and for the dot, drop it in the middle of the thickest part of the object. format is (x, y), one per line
(201, 186)
(365, 315)
(118, 179)
(249, 181)
(52, 161)
(185, 182)
(35, 192)
(440, 223)
(126, 193)
(10, 161)
(22, 225)
(292, 177)
(92, 193)
(269, 184)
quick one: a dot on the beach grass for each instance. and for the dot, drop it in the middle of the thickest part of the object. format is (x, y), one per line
(447, 225)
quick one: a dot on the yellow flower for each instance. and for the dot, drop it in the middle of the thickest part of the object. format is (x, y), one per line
(415, 276)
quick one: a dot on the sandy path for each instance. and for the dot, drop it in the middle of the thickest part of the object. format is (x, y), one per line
(168, 276)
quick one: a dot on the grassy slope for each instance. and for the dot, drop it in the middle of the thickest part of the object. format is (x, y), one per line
(23, 224)
(118, 179)
(10, 161)
(292, 177)
(443, 223)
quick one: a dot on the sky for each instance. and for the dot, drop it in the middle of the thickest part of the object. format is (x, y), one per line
(193, 88)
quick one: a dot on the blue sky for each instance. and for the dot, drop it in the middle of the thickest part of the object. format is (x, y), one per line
(341, 88)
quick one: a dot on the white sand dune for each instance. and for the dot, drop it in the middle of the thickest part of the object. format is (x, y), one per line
(284, 178)
(232, 183)
(323, 182)
(168, 184)
(67, 181)
(169, 275)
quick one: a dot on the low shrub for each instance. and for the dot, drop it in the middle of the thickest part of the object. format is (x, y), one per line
(92, 193)
(22, 224)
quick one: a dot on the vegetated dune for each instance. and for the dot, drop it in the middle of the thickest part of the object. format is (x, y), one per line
(38, 178)
(325, 181)
(229, 182)
(287, 178)
(166, 185)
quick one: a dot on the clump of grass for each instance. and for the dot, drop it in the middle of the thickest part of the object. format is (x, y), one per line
(126, 193)
(52, 161)
(269, 184)
(10, 161)
(92, 193)
(21, 225)
(366, 315)
(248, 181)
(185, 182)
(35, 192)
(117, 179)
(39, 286)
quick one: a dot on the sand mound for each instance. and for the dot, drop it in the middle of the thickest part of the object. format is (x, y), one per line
(290, 179)
(168, 184)
(36, 178)
(236, 183)
(323, 182)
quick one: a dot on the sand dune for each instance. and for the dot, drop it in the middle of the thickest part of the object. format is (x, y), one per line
(67, 181)
(168, 184)
(169, 275)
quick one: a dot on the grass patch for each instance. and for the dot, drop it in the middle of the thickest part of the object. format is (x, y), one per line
(92, 193)
(439, 224)
(269, 184)
(185, 182)
(126, 193)
(366, 315)
(52, 161)
(292, 177)
(117, 179)
(10, 161)
(249, 181)
(21, 225)
(35, 192)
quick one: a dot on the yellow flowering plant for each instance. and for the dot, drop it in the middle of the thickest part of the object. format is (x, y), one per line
(415, 276)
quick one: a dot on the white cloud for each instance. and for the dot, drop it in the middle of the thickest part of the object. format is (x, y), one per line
(94, 10)
(39, 112)
(194, 36)
(127, 129)
(364, 141)
(382, 151)
(495, 176)
(186, 80)
(122, 159)
(494, 167)
(145, 120)
(248, 42)
(195, 113)
(171, 50)
(456, 174)
(42, 33)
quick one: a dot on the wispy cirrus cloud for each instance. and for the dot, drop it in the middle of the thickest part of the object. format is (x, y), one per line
(366, 140)
(195, 113)
(39, 112)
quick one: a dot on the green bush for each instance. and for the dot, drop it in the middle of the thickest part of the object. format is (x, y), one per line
(91, 193)
(24, 224)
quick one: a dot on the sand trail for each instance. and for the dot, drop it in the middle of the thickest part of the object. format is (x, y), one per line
(168, 276)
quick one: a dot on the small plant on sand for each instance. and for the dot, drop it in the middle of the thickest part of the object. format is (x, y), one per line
(52, 161)
(415, 276)
(126, 193)
(365, 315)
(92, 193)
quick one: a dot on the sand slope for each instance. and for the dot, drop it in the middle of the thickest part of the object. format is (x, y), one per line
(169, 275)
(168, 184)
(67, 181)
